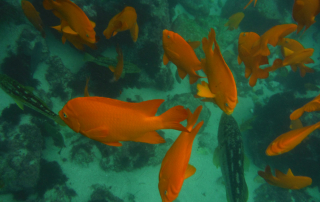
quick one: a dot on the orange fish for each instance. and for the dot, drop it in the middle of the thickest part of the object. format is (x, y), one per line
(86, 92)
(272, 36)
(33, 16)
(117, 71)
(313, 105)
(109, 121)
(287, 181)
(180, 53)
(252, 63)
(289, 140)
(255, 1)
(234, 21)
(77, 20)
(76, 40)
(175, 168)
(222, 87)
(304, 12)
(126, 19)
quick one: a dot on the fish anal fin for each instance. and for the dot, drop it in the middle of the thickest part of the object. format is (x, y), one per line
(150, 137)
(182, 73)
(98, 134)
(194, 44)
(189, 171)
(165, 59)
(68, 30)
(215, 160)
(114, 144)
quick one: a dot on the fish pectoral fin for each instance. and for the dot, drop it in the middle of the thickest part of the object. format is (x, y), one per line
(150, 137)
(190, 171)
(165, 59)
(204, 91)
(173, 54)
(215, 160)
(182, 73)
(194, 44)
(97, 134)
(20, 104)
(93, 24)
(114, 144)
(68, 30)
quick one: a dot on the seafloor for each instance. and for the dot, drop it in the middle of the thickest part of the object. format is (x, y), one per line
(41, 161)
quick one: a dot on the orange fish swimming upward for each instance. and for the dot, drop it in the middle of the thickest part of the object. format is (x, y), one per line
(74, 16)
(175, 168)
(75, 39)
(222, 87)
(287, 181)
(126, 19)
(33, 16)
(289, 140)
(313, 105)
(117, 71)
(255, 1)
(234, 21)
(272, 37)
(180, 53)
(304, 12)
(252, 63)
(109, 121)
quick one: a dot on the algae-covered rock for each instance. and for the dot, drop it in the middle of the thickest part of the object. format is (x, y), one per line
(196, 8)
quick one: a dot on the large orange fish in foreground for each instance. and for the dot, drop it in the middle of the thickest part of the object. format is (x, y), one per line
(222, 87)
(77, 20)
(126, 19)
(252, 63)
(289, 140)
(175, 168)
(272, 37)
(304, 12)
(313, 105)
(117, 71)
(180, 53)
(234, 21)
(109, 121)
(255, 1)
(287, 181)
(33, 16)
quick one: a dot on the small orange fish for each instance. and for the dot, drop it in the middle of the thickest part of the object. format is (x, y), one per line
(180, 52)
(289, 140)
(255, 1)
(126, 19)
(313, 105)
(296, 124)
(77, 20)
(304, 12)
(252, 63)
(109, 121)
(75, 39)
(175, 168)
(222, 87)
(272, 36)
(117, 71)
(287, 181)
(86, 92)
(33, 16)
(234, 21)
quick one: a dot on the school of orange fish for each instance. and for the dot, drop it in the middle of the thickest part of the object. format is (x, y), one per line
(110, 121)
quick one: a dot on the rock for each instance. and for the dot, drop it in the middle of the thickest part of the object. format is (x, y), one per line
(196, 8)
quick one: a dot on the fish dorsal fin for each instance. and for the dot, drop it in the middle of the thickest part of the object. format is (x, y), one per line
(194, 44)
(215, 160)
(68, 30)
(189, 171)
(165, 59)
(20, 104)
(239, 60)
(289, 173)
(279, 174)
(93, 24)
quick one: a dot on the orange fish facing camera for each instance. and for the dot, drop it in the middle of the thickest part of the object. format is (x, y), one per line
(286, 181)
(175, 168)
(221, 85)
(289, 140)
(180, 52)
(75, 17)
(125, 20)
(109, 121)
(33, 16)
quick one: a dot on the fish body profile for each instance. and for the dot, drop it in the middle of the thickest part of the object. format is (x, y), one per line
(33, 16)
(23, 96)
(230, 156)
(234, 21)
(175, 168)
(313, 105)
(109, 120)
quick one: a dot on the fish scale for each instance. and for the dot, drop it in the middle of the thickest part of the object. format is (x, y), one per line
(231, 157)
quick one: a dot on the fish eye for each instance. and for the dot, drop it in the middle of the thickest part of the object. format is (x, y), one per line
(165, 192)
(226, 104)
(65, 115)
(87, 35)
(168, 36)
(244, 34)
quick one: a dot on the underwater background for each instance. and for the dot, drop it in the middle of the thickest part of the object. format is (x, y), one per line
(44, 162)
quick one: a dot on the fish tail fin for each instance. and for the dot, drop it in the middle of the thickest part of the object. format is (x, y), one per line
(151, 138)
(208, 43)
(192, 118)
(172, 117)
(297, 113)
(267, 174)
(59, 121)
(47, 5)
